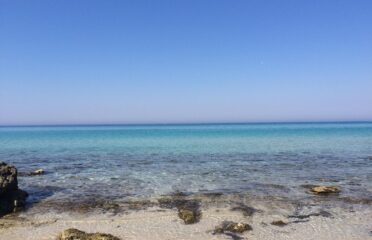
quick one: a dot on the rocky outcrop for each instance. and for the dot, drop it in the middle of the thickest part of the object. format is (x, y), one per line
(8, 178)
(75, 234)
(325, 190)
(11, 198)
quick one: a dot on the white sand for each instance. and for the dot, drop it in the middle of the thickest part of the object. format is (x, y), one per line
(165, 225)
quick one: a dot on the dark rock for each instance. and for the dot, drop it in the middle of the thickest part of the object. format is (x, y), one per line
(188, 209)
(19, 198)
(12, 199)
(75, 234)
(190, 212)
(12, 202)
(301, 221)
(233, 227)
(188, 216)
(8, 178)
(279, 223)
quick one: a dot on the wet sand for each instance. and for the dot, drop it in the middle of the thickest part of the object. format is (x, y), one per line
(315, 218)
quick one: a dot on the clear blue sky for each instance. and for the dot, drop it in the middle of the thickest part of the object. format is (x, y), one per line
(86, 61)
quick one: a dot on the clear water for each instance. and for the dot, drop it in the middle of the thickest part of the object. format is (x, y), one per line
(146, 161)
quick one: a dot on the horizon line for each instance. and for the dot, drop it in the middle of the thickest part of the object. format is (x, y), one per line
(183, 123)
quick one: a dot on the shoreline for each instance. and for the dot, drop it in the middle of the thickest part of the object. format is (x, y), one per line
(318, 217)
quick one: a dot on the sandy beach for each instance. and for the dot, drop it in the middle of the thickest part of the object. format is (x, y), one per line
(319, 219)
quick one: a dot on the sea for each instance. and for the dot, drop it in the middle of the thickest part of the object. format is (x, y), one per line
(144, 161)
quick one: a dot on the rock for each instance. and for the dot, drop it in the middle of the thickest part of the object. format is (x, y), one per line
(37, 172)
(188, 216)
(279, 223)
(19, 198)
(188, 209)
(238, 227)
(12, 199)
(324, 190)
(232, 227)
(8, 178)
(75, 234)
(12, 202)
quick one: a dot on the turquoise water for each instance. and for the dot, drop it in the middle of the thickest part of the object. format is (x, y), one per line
(146, 161)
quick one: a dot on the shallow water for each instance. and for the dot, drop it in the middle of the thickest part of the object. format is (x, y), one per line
(117, 162)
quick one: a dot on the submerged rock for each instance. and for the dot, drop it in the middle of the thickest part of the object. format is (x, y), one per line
(12, 199)
(325, 190)
(75, 234)
(233, 227)
(37, 172)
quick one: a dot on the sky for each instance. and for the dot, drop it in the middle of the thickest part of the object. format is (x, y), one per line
(184, 61)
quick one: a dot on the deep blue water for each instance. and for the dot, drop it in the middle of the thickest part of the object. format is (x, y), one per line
(144, 161)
